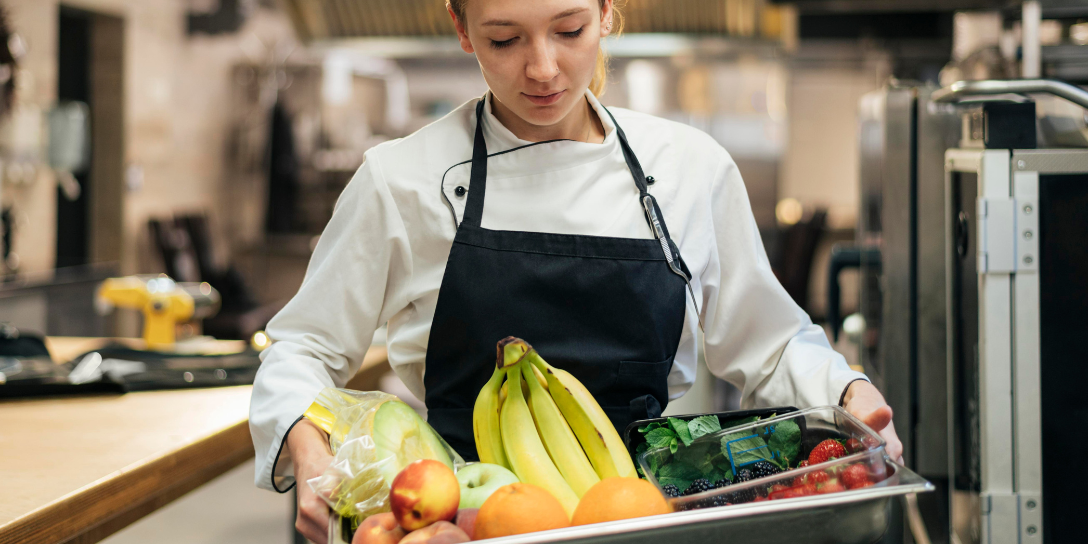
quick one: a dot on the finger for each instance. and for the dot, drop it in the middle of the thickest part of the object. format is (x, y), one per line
(312, 532)
(318, 518)
(893, 446)
(878, 419)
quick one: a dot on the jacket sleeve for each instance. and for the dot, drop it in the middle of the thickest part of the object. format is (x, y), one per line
(355, 280)
(756, 336)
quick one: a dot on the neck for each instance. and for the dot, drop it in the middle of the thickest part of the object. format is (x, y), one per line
(582, 124)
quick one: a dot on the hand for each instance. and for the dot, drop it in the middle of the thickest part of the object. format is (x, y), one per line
(309, 447)
(865, 402)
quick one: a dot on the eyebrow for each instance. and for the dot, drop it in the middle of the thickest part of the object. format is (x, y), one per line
(561, 15)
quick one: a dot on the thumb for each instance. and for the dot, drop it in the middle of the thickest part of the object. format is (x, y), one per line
(879, 418)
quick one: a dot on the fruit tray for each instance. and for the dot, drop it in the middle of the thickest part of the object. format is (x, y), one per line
(813, 451)
(860, 516)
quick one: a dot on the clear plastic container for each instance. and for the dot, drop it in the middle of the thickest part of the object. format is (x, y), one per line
(784, 442)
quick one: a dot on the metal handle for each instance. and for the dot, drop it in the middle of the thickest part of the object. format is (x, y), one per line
(965, 89)
(842, 258)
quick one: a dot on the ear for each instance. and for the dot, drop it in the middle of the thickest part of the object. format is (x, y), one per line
(606, 18)
(462, 35)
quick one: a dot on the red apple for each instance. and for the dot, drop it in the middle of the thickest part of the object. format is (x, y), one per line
(466, 520)
(378, 529)
(424, 492)
(440, 532)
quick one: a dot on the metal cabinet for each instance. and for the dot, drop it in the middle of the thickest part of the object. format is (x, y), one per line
(1016, 231)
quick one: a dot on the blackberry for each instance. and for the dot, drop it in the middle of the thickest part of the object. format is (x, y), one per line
(744, 495)
(670, 490)
(721, 483)
(698, 486)
(763, 469)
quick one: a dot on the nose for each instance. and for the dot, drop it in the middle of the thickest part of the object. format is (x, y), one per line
(541, 65)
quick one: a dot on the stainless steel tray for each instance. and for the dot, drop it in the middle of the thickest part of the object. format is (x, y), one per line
(851, 517)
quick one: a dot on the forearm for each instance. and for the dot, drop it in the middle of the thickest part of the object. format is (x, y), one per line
(306, 443)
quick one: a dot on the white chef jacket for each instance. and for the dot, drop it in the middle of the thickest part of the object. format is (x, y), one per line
(382, 256)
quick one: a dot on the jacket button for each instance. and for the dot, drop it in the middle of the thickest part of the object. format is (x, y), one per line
(460, 190)
(650, 180)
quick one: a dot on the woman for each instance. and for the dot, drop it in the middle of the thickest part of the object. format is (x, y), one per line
(606, 238)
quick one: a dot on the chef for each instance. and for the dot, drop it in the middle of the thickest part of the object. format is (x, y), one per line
(604, 237)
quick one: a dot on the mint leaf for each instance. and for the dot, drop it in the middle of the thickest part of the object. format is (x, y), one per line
(681, 428)
(641, 448)
(680, 483)
(715, 475)
(703, 425)
(741, 449)
(699, 455)
(649, 427)
(725, 469)
(673, 445)
(655, 462)
(660, 438)
(679, 470)
(786, 440)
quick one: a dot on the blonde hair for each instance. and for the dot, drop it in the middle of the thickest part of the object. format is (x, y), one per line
(600, 71)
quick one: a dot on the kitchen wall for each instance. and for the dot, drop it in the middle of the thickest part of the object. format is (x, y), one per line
(177, 115)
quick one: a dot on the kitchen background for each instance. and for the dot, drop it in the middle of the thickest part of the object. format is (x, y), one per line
(221, 132)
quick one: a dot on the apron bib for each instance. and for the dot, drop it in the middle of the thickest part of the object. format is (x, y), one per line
(608, 310)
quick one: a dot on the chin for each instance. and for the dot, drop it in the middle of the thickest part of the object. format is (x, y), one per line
(547, 115)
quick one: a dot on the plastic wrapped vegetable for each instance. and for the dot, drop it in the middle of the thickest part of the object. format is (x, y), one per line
(373, 435)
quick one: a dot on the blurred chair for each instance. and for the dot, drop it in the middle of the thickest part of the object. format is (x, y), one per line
(795, 252)
(185, 245)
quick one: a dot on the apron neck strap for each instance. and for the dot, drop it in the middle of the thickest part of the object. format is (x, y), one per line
(474, 207)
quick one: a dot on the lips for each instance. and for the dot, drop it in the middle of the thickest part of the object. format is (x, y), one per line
(544, 99)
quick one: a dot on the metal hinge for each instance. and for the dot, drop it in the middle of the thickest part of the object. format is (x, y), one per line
(1008, 237)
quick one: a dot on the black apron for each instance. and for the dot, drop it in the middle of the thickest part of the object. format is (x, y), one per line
(608, 310)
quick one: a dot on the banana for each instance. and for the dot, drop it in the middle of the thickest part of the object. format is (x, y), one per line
(558, 439)
(485, 422)
(528, 457)
(602, 444)
(539, 377)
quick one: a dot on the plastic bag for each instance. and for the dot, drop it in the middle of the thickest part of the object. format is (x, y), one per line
(373, 436)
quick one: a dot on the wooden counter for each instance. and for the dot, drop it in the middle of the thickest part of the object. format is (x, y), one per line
(78, 469)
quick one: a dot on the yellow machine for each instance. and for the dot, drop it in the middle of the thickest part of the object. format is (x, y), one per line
(164, 303)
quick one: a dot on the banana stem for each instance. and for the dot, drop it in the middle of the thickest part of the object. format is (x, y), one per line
(510, 350)
(534, 358)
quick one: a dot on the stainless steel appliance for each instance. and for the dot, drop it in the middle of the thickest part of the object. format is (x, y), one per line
(1018, 308)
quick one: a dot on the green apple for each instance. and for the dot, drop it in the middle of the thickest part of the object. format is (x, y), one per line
(479, 480)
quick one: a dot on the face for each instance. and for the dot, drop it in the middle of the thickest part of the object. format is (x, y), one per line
(537, 57)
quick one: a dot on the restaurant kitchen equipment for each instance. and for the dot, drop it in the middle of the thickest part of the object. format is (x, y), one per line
(1015, 219)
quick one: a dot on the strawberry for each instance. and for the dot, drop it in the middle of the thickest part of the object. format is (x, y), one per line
(787, 493)
(830, 486)
(777, 487)
(802, 464)
(854, 445)
(805, 490)
(856, 476)
(826, 450)
(811, 478)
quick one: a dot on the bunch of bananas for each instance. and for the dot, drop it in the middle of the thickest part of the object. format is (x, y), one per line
(545, 426)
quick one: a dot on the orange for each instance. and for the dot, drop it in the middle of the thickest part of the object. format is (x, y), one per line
(619, 498)
(517, 509)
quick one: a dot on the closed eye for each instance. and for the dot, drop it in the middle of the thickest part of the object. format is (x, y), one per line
(573, 33)
(505, 43)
